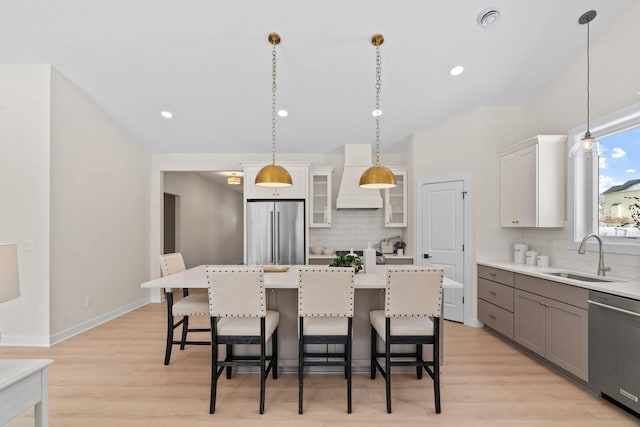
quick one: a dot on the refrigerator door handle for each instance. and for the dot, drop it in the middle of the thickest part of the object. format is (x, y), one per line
(277, 239)
(271, 255)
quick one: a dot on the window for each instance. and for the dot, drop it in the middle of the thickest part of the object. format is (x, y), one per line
(603, 188)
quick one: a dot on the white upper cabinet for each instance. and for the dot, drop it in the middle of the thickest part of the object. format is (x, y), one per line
(320, 197)
(299, 177)
(532, 182)
(395, 200)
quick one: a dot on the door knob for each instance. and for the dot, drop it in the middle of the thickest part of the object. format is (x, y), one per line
(426, 256)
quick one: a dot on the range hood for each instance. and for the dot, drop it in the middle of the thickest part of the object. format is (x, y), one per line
(357, 158)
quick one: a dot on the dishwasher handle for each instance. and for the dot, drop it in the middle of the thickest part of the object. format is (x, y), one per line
(610, 307)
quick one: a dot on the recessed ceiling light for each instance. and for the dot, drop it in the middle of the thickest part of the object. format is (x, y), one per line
(283, 113)
(376, 113)
(166, 114)
(457, 70)
(488, 17)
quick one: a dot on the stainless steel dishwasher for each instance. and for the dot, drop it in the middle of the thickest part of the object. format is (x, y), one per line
(614, 348)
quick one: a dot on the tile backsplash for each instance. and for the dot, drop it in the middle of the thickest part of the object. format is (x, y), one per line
(353, 228)
(553, 242)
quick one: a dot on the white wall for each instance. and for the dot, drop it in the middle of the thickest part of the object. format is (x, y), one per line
(75, 187)
(24, 191)
(99, 198)
(467, 145)
(211, 219)
(561, 105)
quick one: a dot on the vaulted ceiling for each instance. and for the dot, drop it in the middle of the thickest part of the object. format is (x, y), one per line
(209, 63)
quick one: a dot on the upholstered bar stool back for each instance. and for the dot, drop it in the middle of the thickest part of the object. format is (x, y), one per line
(325, 313)
(413, 299)
(171, 263)
(239, 315)
(413, 292)
(188, 305)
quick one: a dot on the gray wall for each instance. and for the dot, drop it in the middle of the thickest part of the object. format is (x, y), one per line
(210, 219)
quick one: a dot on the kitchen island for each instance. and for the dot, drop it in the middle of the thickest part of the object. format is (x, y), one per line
(282, 295)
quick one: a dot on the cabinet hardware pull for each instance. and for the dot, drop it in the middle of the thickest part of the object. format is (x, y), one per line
(493, 293)
(493, 275)
(491, 316)
(622, 310)
(625, 393)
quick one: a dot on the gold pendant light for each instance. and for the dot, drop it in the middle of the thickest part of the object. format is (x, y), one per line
(377, 176)
(587, 143)
(273, 175)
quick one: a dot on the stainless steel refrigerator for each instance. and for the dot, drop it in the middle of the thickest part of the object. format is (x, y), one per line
(275, 232)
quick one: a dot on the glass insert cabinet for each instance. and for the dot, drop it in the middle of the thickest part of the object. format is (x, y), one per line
(320, 200)
(395, 200)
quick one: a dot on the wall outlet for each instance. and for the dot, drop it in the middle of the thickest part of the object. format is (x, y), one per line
(88, 302)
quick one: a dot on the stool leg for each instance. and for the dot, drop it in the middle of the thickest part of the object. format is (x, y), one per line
(167, 352)
(300, 366)
(274, 354)
(262, 363)
(185, 329)
(229, 358)
(436, 364)
(374, 349)
(348, 349)
(214, 367)
(419, 362)
(387, 362)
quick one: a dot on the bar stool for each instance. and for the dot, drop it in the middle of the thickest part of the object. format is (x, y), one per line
(188, 305)
(325, 313)
(239, 316)
(411, 316)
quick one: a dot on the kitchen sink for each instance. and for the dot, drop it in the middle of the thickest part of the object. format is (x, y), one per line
(580, 277)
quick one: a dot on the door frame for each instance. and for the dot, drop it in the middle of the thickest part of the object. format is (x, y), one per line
(468, 202)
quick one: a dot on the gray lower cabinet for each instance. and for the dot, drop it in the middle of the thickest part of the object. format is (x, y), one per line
(495, 299)
(549, 318)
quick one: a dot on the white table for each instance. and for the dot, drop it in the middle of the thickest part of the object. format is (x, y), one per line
(283, 297)
(23, 384)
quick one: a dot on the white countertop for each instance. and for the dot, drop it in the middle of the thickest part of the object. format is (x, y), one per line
(617, 286)
(391, 256)
(196, 277)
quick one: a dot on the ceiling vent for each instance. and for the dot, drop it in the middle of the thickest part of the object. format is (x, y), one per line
(488, 17)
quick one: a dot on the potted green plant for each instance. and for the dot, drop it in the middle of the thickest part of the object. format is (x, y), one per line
(348, 261)
(399, 247)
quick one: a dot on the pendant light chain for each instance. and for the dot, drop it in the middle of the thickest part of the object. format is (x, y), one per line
(588, 79)
(273, 105)
(378, 90)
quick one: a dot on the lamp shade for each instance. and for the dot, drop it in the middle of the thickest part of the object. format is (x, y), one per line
(273, 176)
(376, 177)
(234, 180)
(9, 284)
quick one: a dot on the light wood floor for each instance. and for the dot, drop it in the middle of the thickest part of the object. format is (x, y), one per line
(113, 375)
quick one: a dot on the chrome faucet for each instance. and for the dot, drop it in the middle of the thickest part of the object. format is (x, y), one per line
(583, 246)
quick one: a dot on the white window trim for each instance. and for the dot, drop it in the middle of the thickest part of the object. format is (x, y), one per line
(582, 176)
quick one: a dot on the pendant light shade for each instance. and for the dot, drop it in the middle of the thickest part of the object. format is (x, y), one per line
(273, 175)
(378, 176)
(587, 144)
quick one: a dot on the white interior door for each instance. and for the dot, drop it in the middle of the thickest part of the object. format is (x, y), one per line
(443, 238)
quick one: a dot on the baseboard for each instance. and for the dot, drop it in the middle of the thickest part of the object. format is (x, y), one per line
(47, 341)
(78, 329)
